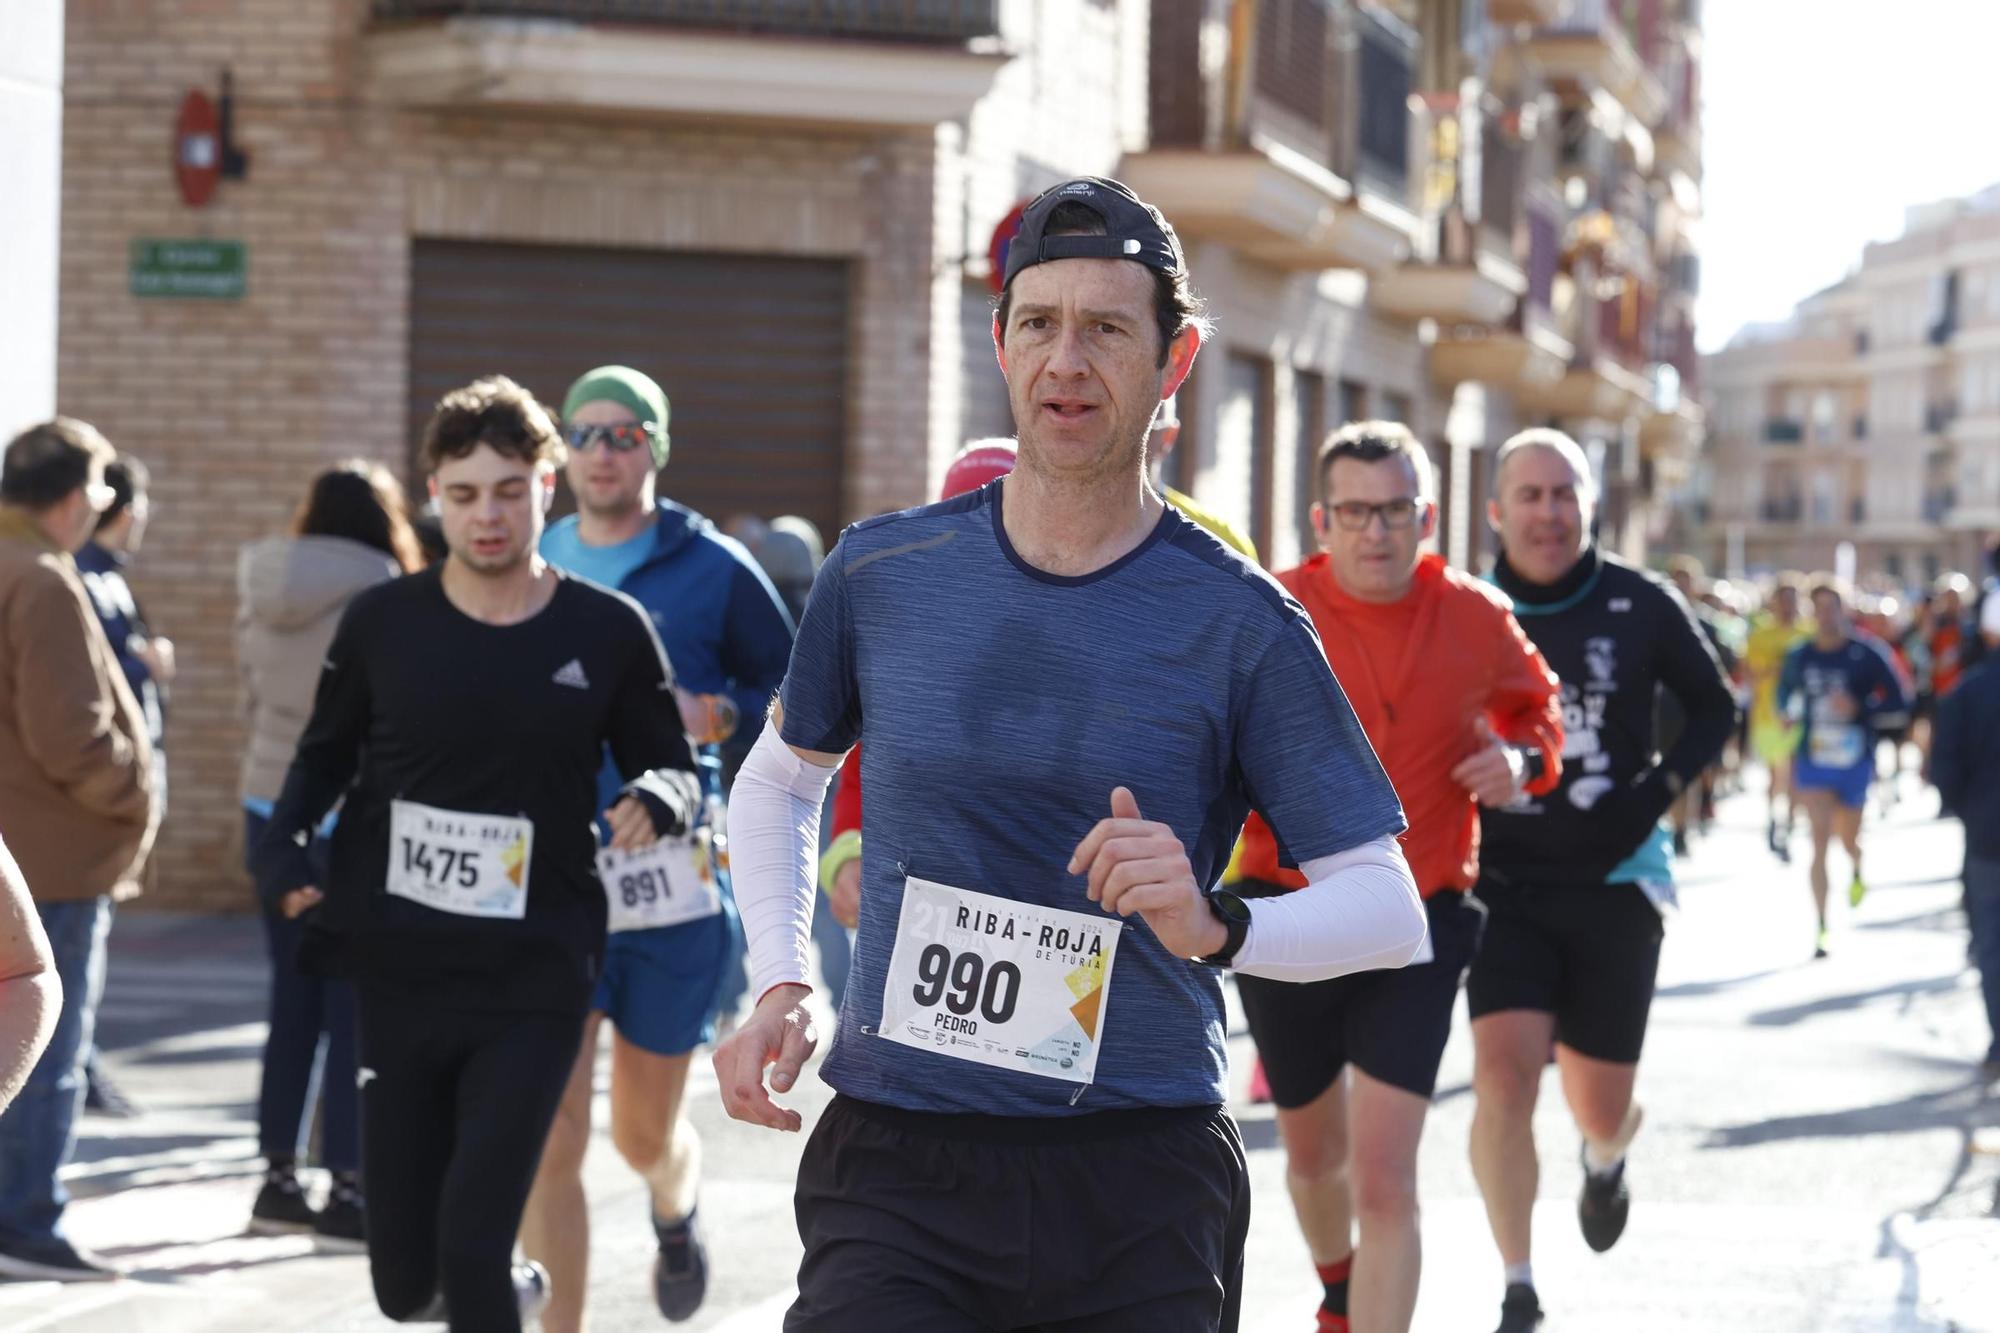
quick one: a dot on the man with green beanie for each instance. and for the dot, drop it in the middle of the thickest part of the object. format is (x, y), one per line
(673, 933)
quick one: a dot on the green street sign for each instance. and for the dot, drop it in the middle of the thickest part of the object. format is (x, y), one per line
(205, 270)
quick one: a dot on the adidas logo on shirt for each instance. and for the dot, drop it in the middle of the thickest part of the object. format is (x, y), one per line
(572, 675)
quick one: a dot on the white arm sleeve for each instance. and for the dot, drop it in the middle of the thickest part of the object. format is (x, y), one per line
(774, 858)
(1359, 910)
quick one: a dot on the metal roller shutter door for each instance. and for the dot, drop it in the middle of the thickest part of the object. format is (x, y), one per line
(752, 351)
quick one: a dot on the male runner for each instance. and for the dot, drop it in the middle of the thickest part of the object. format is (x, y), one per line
(1841, 687)
(728, 638)
(463, 711)
(1571, 879)
(1030, 1129)
(1463, 712)
(1773, 635)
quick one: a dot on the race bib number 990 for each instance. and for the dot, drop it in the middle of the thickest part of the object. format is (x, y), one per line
(999, 982)
(469, 865)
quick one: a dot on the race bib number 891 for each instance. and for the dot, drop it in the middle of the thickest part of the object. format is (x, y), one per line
(999, 982)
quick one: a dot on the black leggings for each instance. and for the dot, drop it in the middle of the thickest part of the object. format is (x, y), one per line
(455, 1107)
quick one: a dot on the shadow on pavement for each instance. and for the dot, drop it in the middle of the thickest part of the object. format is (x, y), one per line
(1961, 1107)
(1690, 989)
(1834, 1004)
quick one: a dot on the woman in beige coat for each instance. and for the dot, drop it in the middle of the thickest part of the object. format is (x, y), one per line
(350, 533)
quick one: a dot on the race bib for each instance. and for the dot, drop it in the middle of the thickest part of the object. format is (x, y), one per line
(999, 982)
(1836, 744)
(469, 865)
(665, 884)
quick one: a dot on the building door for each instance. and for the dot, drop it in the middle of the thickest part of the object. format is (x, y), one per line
(752, 351)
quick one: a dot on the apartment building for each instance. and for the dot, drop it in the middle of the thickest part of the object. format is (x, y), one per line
(1871, 418)
(1469, 217)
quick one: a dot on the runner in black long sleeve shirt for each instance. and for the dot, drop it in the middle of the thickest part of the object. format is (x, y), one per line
(463, 714)
(1573, 881)
(420, 702)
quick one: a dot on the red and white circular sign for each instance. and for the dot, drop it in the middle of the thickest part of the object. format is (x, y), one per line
(198, 149)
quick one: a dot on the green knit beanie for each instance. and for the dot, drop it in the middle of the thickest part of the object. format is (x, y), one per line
(630, 389)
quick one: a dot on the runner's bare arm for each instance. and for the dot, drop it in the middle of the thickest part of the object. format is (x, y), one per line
(774, 857)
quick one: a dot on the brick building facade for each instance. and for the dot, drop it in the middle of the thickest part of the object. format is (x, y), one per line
(433, 183)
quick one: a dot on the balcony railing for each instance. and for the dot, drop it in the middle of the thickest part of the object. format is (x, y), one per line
(880, 20)
(1784, 430)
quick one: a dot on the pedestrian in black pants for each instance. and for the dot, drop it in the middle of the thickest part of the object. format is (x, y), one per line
(1965, 765)
(351, 532)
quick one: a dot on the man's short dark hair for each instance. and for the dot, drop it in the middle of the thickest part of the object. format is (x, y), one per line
(46, 464)
(128, 479)
(1177, 307)
(1371, 442)
(497, 413)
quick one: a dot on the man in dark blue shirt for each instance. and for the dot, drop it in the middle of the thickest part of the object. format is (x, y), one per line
(1843, 687)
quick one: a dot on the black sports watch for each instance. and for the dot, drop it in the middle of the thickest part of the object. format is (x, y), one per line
(1234, 914)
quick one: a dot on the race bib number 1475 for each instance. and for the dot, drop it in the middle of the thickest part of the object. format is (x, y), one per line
(465, 864)
(999, 982)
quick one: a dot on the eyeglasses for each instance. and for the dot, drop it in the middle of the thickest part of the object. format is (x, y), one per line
(623, 437)
(1356, 515)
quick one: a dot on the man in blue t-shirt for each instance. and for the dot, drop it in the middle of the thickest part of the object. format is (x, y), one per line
(673, 934)
(1070, 695)
(1844, 689)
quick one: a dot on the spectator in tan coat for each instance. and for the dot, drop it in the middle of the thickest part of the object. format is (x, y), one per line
(78, 807)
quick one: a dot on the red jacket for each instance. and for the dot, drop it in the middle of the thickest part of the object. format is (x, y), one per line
(1420, 673)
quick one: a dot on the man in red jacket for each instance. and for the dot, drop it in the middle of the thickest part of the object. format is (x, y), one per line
(1462, 711)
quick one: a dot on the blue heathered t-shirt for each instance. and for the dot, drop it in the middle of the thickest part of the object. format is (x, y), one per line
(998, 705)
(608, 565)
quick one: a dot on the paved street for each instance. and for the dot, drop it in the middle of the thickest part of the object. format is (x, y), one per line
(1817, 1157)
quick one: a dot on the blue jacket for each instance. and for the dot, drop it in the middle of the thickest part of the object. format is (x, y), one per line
(1965, 758)
(719, 618)
(103, 574)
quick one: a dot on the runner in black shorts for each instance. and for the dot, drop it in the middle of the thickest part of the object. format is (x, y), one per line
(1571, 879)
(1030, 1131)
(1481, 723)
(462, 715)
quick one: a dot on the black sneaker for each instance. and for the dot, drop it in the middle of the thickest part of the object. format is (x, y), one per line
(680, 1270)
(51, 1260)
(1520, 1312)
(341, 1225)
(281, 1208)
(1603, 1206)
(103, 1097)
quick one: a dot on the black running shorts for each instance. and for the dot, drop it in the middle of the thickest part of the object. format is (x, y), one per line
(1587, 954)
(1122, 1220)
(1392, 1024)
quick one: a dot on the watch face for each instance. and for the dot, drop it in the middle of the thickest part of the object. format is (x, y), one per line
(1231, 907)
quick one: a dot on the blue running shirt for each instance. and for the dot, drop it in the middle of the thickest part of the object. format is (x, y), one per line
(998, 705)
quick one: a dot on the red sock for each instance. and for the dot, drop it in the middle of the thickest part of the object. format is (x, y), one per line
(1333, 1310)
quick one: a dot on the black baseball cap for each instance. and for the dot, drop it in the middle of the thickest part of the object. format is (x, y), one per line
(1133, 229)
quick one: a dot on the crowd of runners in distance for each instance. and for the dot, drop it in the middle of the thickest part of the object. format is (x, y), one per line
(1023, 780)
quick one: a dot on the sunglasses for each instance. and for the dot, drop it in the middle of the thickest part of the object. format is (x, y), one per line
(622, 438)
